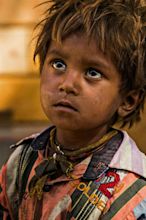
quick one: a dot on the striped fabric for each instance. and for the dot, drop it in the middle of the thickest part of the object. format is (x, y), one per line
(124, 202)
(109, 185)
(129, 157)
(131, 197)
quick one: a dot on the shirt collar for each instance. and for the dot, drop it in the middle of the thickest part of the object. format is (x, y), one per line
(41, 140)
(100, 160)
(120, 152)
(96, 165)
(129, 157)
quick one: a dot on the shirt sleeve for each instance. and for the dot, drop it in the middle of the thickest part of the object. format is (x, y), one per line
(4, 203)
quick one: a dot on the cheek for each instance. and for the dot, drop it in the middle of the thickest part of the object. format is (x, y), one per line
(45, 85)
(49, 82)
(44, 94)
(43, 98)
(97, 98)
(106, 101)
(43, 88)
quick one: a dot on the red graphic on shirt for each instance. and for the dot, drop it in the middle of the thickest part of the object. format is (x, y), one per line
(105, 186)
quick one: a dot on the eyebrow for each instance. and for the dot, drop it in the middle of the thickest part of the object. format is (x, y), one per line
(87, 60)
(57, 53)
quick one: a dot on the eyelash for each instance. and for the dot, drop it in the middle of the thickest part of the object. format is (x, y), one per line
(93, 77)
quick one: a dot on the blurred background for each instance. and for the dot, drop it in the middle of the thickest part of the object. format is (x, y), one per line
(20, 110)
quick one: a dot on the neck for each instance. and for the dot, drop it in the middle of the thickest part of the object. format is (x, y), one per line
(74, 140)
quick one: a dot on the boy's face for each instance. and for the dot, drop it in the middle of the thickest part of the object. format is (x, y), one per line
(79, 85)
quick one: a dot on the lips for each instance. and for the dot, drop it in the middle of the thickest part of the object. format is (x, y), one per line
(65, 105)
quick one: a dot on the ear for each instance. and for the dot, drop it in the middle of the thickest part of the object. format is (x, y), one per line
(129, 103)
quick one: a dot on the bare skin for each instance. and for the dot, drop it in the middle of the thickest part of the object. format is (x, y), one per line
(79, 91)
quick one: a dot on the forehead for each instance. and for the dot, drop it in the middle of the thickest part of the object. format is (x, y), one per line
(80, 46)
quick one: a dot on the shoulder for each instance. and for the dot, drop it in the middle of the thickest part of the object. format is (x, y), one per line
(19, 156)
(32, 143)
(129, 157)
(24, 141)
(21, 149)
(20, 146)
(14, 158)
(11, 171)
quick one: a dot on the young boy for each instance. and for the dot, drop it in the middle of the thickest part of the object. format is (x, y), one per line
(93, 75)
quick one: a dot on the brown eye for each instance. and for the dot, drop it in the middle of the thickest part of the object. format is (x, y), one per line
(58, 65)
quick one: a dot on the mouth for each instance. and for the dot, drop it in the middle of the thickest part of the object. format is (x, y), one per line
(65, 105)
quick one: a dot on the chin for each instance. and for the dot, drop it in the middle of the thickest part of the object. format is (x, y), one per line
(66, 126)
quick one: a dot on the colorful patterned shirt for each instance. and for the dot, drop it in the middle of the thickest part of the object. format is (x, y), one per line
(110, 184)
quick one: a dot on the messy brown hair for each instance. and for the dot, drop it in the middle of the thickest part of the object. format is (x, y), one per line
(119, 28)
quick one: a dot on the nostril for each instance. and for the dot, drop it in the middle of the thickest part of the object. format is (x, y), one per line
(61, 89)
(67, 89)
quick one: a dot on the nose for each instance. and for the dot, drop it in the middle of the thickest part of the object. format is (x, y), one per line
(70, 83)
